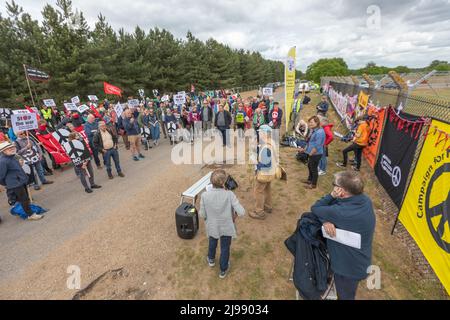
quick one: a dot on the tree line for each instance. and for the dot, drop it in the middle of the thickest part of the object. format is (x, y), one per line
(338, 67)
(79, 59)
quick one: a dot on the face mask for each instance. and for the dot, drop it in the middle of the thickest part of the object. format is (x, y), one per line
(42, 127)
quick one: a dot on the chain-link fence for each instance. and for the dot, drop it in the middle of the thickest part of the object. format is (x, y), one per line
(413, 104)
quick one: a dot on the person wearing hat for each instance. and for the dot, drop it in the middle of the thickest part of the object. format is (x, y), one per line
(360, 141)
(265, 174)
(15, 179)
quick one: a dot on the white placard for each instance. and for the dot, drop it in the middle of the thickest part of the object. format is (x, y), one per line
(21, 111)
(183, 93)
(141, 92)
(268, 92)
(24, 122)
(70, 106)
(93, 98)
(83, 108)
(348, 238)
(49, 102)
(75, 100)
(165, 98)
(179, 99)
(133, 103)
(5, 113)
(119, 110)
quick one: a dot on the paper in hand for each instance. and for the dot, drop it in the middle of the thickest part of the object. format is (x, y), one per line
(348, 238)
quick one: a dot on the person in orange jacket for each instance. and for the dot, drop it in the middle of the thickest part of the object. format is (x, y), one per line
(360, 141)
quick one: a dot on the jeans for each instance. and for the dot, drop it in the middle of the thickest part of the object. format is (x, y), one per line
(95, 154)
(323, 162)
(225, 244)
(313, 164)
(114, 154)
(81, 173)
(345, 287)
(39, 171)
(358, 153)
(225, 138)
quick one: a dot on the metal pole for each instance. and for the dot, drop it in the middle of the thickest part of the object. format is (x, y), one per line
(29, 87)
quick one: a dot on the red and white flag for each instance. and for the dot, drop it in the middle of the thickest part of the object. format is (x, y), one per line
(110, 89)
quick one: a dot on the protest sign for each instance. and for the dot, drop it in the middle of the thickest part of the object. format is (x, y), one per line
(77, 151)
(165, 98)
(268, 92)
(119, 109)
(21, 111)
(5, 113)
(141, 92)
(24, 122)
(93, 98)
(133, 103)
(70, 106)
(75, 100)
(83, 108)
(49, 102)
(179, 99)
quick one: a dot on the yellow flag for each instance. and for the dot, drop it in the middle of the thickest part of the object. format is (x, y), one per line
(289, 83)
(426, 210)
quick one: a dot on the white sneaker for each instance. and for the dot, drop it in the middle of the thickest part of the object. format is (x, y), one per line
(322, 173)
(35, 216)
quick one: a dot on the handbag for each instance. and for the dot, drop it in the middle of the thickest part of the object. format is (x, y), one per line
(231, 184)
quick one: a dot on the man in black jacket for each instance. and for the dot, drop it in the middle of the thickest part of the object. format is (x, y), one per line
(223, 123)
(105, 140)
(347, 208)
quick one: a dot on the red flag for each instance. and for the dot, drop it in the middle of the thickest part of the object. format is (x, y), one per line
(110, 89)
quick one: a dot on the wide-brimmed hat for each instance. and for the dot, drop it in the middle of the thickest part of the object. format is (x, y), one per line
(5, 145)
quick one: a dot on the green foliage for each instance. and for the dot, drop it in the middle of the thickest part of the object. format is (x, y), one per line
(79, 59)
(327, 67)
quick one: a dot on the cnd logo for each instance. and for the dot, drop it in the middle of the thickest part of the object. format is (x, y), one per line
(374, 20)
(74, 280)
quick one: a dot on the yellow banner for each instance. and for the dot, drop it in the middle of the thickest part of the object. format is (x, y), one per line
(426, 210)
(363, 99)
(289, 82)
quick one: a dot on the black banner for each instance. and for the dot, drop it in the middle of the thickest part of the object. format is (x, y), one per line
(36, 75)
(397, 150)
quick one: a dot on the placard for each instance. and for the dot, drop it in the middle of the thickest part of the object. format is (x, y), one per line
(267, 92)
(165, 98)
(93, 98)
(141, 92)
(49, 102)
(24, 122)
(77, 151)
(21, 111)
(5, 113)
(75, 100)
(70, 106)
(133, 103)
(119, 110)
(179, 99)
(83, 108)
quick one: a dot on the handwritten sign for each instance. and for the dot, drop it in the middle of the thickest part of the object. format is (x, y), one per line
(24, 122)
(49, 102)
(179, 99)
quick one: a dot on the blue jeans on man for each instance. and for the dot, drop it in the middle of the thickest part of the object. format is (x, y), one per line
(114, 154)
(225, 244)
(39, 173)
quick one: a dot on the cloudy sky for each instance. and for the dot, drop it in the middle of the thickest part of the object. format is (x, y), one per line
(390, 33)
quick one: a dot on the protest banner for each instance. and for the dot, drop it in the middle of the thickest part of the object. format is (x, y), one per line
(425, 212)
(49, 102)
(267, 92)
(376, 123)
(24, 122)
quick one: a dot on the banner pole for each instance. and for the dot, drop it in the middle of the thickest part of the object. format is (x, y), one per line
(29, 87)
(395, 223)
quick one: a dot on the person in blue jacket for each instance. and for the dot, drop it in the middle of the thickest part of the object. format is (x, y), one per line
(131, 127)
(347, 208)
(15, 179)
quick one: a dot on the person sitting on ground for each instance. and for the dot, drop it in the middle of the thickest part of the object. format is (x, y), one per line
(106, 141)
(322, 107)
(360, 141)
(15, 179)
(219, 208)
(347, 208)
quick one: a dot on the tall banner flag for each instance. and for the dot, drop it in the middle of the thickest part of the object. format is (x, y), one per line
(289, 82)
(110, 89)
(376, 123)
(397, 150)
(426, 210)
(35, 74)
